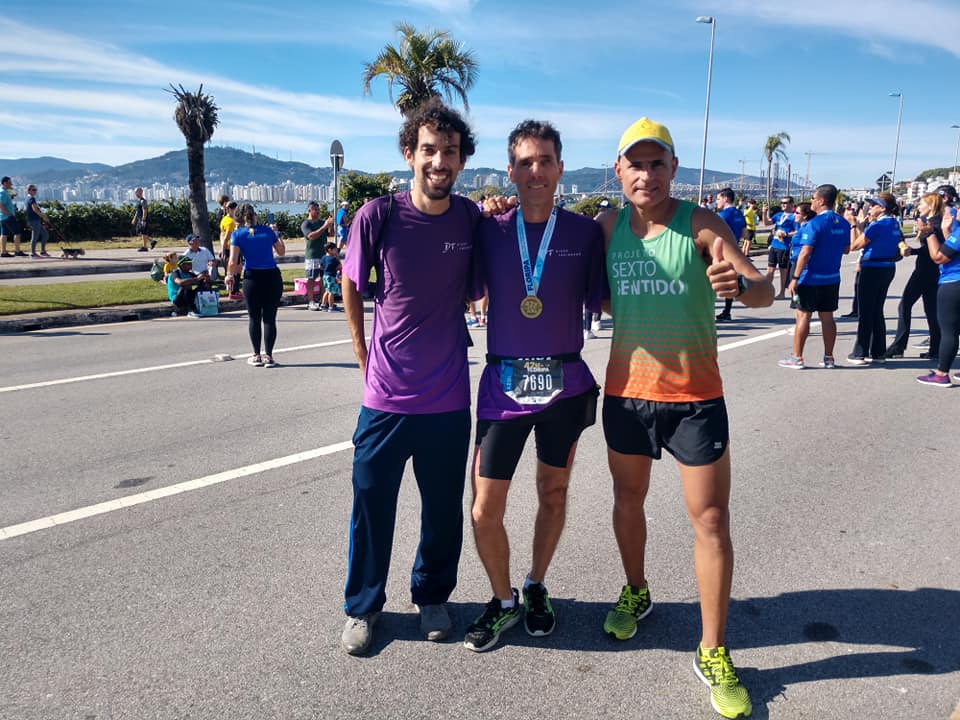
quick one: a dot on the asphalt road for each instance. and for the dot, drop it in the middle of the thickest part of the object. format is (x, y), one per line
(223, 598)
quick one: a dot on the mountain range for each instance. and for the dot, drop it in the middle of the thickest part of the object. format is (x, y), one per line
(239, 167)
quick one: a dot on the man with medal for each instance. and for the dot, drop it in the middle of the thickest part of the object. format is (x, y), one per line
(541, 264)
(667, 260)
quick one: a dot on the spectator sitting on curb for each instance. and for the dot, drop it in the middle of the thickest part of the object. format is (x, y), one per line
(204, 263)
(182, 286)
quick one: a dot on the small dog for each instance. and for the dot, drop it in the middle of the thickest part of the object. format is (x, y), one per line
(71, 253)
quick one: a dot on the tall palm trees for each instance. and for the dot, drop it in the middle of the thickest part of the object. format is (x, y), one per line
(425, 65)
(774, 148)
(196, 116)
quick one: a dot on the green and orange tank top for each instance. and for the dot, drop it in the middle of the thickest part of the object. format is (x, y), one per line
(664, 332)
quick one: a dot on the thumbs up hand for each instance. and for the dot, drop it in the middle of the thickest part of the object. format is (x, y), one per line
(720, 273)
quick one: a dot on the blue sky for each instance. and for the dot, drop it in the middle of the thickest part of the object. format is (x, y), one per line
(85, 80)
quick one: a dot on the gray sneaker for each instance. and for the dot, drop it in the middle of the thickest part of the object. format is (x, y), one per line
(358, 633)
(435, 622)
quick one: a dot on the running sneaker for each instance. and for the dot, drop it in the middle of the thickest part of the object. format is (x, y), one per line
(595, 326)
(723, 317)
(153, 244)
(6, 254)
(589, 335)
(828, 362)
(473, 322)
(793, 362)
(192, 314)
(857, 360)
(269, 362)
(935, 379)
(34, 255)
(141, 249)
(483, 633)
(634, 605)
(727, 695)
(44, 254)
(313, 306)
(255, 360)
(538, 616)
(20, 253)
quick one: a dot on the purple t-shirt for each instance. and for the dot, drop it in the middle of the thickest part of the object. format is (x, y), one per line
(572, 278)
(417, 355)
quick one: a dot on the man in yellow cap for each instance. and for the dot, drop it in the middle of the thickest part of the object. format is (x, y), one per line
(667, 262)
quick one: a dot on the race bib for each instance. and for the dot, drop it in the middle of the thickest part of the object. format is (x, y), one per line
(531, 381)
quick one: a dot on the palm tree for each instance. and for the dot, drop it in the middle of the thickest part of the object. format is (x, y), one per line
(774, 149)
(196, 116)
(425, 65)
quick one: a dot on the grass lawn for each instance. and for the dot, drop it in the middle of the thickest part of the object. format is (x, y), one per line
(16, 299)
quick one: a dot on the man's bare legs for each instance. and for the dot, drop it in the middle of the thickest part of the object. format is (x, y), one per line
(706, 491)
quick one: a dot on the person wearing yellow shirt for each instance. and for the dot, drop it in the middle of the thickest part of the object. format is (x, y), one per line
(751, 214)
(227, 225)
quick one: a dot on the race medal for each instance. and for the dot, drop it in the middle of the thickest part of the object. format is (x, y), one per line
(531, 307)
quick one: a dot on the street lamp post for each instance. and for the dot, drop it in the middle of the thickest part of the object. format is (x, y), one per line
(896, 147)
(956, 155)
(712, 22)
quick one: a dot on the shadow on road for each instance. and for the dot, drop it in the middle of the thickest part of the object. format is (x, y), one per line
(918, 625)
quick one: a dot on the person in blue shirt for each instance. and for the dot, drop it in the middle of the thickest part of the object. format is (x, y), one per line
(329, 265)
(880, 243)
(262, 283)
(946, 254)
(9, 227)
(342, 221)
(802, 214)
(731, 215)
(784, 228)
(815, 283)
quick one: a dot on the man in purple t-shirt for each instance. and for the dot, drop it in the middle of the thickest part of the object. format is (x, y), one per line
(541, 265)
(416, 393)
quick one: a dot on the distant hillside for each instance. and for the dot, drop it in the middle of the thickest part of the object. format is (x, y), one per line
(934, 172)
(239, 167)
(42, 165)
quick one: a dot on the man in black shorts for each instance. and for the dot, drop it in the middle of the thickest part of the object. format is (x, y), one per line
(541, 265)
(815, 284)
(784, 228)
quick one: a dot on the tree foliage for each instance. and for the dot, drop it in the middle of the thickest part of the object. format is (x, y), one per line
(356, 188)
(425, 65)
(774, 149)
(590, 206)
(197, 116)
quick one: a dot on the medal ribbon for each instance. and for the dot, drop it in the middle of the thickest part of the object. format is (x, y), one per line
(531, 277)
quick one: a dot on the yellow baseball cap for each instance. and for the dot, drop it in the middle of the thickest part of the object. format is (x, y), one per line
(645, 130)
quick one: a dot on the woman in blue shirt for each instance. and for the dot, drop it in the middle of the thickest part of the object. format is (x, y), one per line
(946, 254)
(880, 242)
(262, 284)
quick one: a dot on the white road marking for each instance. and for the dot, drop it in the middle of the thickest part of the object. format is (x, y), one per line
(150, 495)
(761, 338)
(155, 368)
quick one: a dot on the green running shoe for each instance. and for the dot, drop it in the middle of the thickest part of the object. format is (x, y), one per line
(483, 633)
(727, 695)
(634, 604)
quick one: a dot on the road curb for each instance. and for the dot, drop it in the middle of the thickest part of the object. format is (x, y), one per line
(28, 322)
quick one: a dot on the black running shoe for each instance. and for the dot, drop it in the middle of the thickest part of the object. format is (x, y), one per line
(538, 618)
(483, 633)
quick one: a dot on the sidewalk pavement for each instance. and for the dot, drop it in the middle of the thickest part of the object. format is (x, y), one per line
(108, 261)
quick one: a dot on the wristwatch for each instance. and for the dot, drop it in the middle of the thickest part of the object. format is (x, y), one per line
(741, 285)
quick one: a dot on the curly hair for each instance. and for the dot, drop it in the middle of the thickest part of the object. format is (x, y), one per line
(441, 119)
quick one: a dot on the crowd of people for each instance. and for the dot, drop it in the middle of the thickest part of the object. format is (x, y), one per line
(807, 244)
